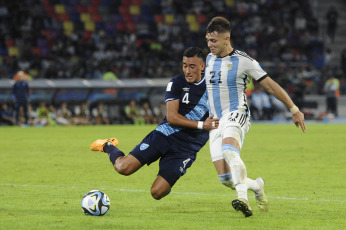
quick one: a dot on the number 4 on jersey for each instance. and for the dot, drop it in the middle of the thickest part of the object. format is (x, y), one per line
(186, 98)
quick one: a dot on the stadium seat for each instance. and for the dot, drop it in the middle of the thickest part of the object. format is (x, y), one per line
(59, 9)
(36, 51)
(63, 17)
(230, 3)
(82, 9)
(68, 26)
(190, 18)
(194, 27)
(126, 2)
(3, 52)
(74, 2)
(131, 27)
(117, 18)
(92, 9)
(90, 26)
(13, 51)
(71, 9)
(44, 52)
(159, 18)
(75, 17)
(128, 18)
(105, 2)
(137, 2)
(41, 42)
(46, 33)
(9, 42)
(123, 10)
(121, 26)
(85, 17)
(96, 17)
(87, 35)
(95, 2)
(169, 18)
(134, 10)
(202, 19)
(100, 26)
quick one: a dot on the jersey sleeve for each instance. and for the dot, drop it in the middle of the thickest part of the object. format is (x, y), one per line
(255, 70)
(173, 90)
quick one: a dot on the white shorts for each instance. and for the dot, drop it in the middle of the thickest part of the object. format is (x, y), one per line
(236, 125)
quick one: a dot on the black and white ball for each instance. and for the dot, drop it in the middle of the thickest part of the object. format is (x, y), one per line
(95, 203)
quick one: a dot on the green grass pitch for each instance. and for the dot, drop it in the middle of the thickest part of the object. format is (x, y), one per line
(46, 171)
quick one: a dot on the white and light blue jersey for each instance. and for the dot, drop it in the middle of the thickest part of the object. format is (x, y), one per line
(227, 79)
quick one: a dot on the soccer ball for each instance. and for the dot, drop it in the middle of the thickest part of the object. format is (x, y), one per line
(95, 203)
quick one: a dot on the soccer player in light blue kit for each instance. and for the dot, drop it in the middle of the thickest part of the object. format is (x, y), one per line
(178, 138)
(227, 73)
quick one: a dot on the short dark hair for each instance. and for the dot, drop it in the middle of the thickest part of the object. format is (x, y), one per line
(193, 52)
(219, 25)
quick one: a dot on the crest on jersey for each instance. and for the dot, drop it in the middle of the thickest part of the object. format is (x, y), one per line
(229, 66)
(186, 89)
(143, 146)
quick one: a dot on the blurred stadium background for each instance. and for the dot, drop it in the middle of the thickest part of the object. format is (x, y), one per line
(111, 52)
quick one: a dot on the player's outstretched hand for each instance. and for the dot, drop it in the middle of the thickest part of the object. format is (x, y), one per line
(298, 119)
(211, 123)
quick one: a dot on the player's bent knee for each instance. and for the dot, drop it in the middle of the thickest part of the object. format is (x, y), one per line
(158, 194)
(123, 168)
(126, 166)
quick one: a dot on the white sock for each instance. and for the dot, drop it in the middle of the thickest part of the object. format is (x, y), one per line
(252, 185)
(238, 170)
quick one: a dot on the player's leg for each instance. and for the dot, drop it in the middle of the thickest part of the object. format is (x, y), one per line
(224, 171)
(160, 188)
(16, 113)
(173, 165)
(25, 110)
(124, 165)
(225, 176)
(221, 166)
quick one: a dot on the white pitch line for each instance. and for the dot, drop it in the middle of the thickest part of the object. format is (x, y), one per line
(179, 193)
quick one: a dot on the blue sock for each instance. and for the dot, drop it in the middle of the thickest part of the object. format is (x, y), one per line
(113, 152)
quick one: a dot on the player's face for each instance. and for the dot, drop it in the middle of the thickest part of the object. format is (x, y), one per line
(193, 67)
(217, 43)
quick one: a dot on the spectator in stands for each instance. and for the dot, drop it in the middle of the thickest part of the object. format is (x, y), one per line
(33, 116)
(256, 104)
(331, 89)
(20, 96)
(160, 111)
(100, 115)
(82, 115)
(147, 114)
(332, 22)
(132, 113)
(44, 116)
(6, 115)
(64, 115)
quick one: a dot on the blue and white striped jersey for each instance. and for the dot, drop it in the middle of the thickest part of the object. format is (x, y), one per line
(227, 79)
(193, 104)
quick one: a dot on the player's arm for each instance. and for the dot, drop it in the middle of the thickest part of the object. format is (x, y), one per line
(175, 118)
(277, 91)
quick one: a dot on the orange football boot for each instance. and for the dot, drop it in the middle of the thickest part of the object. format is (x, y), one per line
(99, 144)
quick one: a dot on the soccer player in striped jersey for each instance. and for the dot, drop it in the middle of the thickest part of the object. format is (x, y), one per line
(178, 138)
(227, 73)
